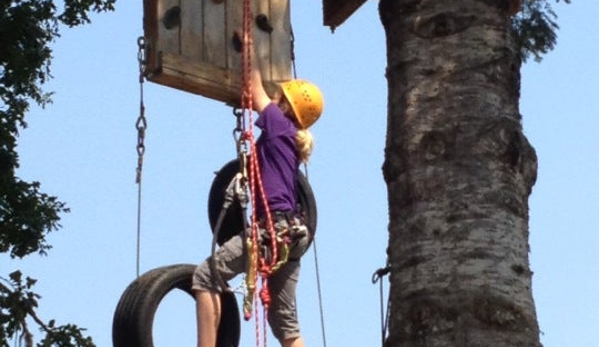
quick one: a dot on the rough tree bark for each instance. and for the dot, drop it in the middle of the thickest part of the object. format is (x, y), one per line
(459, 172)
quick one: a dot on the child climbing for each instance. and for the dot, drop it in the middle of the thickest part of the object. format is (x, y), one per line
(283, 144)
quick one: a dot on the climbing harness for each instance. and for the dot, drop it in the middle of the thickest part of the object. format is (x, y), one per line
(378, 277)
(141, 125)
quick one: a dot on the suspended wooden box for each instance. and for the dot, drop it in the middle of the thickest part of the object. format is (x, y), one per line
(190, 45)
(190, 42)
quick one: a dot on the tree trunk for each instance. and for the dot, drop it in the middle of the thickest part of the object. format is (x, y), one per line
(459, 172)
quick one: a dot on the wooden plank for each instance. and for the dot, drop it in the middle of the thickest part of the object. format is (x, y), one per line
(337, 11)
(234, 24)
(199, 78)
(262, 39)
(191, 45)
(280, 42)
(150, 23)
(215, 33)
(168, 29)
(192, 29)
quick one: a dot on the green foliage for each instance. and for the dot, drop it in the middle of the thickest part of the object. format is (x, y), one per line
(75, 12)
(27, 215)
(18, 303)
(27, 27)
(68, 335)
(535, 28)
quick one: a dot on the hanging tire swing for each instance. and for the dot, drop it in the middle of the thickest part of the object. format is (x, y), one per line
(134, 315)
(233, 221)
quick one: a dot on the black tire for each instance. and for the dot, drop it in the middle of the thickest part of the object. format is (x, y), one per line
(134, 314)
(233, 222)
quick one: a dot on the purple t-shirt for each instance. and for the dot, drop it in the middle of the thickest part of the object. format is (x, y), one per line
(277, 155)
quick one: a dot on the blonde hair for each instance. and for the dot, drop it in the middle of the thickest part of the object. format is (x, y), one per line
(304, 142)
(303, 139)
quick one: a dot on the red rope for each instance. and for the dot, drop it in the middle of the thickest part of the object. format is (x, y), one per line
(263, 266)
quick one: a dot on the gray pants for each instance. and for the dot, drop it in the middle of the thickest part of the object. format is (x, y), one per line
(230, 260)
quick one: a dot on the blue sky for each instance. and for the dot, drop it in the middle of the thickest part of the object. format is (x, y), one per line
(82, 149)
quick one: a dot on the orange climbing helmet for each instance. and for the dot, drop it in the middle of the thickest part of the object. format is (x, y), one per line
(305, 99)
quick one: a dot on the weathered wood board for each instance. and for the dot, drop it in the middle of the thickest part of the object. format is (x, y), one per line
(190, 45)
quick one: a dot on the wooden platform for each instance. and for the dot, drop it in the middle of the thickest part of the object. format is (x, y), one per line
(190, 43)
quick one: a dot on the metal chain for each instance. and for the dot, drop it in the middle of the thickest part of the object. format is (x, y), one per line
(238, 131)
(141, 125)
(241, 144)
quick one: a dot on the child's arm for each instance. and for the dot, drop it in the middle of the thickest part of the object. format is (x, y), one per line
(260, 98)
